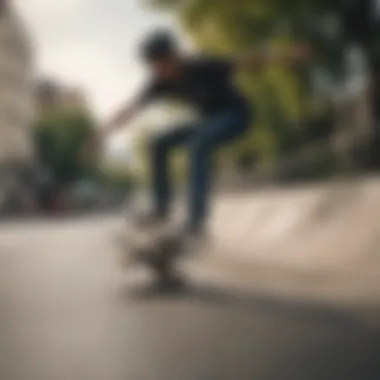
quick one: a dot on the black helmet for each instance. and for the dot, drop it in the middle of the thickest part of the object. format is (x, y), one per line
(158, 45)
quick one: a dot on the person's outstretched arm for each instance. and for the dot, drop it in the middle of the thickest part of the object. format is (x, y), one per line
(96, 141)
(120, 118)
(286, 56)
(132, 108)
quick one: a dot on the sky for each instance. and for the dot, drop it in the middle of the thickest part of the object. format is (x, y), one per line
(92, 44)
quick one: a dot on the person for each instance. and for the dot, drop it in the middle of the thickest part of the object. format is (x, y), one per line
(206, 84)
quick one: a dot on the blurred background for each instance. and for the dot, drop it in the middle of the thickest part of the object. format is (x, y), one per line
(67, 67)
(294, 267)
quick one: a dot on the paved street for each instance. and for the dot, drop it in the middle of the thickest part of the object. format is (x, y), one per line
(67, 313)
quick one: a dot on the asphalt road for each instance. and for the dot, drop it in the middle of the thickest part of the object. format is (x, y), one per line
(67, 312)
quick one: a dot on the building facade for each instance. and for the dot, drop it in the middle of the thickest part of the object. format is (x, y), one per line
(16, 76)
(16, 105)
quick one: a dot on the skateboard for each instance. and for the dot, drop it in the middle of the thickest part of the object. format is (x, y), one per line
(158, 249)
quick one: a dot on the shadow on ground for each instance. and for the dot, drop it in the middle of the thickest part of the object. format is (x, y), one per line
(268, 338)
(221, 297)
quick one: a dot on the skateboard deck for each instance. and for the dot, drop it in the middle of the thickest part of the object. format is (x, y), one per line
(161, 251)
(156, 248)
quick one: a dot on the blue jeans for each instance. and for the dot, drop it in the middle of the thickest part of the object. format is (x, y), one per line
(202, 140)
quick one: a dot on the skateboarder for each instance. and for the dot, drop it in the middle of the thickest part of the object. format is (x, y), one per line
(204, 83)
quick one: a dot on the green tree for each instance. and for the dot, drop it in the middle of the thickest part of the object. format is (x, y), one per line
(59, 140)
(282, 98)
(289, 114)
(279, 95)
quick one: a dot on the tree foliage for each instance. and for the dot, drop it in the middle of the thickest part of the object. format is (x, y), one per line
(282, 98)
(228, 27)
(59, 140)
